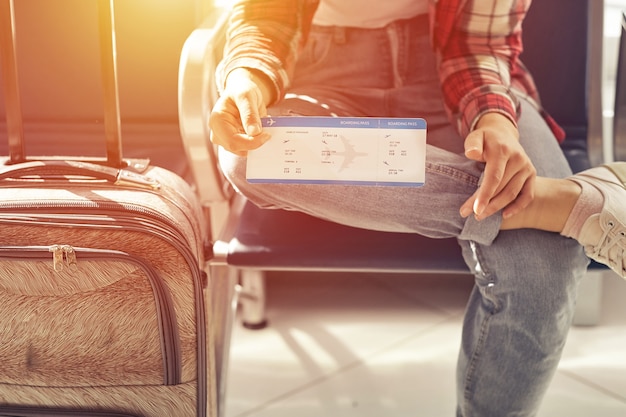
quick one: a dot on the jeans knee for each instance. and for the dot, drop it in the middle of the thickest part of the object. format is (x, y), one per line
(233, 167)
(529, 267)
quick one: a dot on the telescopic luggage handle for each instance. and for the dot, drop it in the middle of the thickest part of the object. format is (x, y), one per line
(8, 66)
(8, 62)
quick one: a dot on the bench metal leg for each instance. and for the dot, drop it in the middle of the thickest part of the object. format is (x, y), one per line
(252, 299)
(221, 299)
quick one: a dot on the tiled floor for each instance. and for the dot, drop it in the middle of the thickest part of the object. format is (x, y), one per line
(342, 345)
(372, 346)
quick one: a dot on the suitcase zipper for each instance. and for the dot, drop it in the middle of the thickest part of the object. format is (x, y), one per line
(151, 222)
(100, 206)
(16, 411)
(63, 256)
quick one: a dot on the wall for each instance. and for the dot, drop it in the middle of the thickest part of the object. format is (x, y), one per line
(59, 69)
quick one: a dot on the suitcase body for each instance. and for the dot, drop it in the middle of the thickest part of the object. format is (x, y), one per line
(102, 295)
(102, 290)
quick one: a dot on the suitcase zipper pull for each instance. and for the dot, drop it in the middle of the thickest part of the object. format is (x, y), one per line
(57, 257)
(70, 257)
(63, 255)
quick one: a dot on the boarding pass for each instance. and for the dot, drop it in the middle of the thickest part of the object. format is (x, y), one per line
(340, 150)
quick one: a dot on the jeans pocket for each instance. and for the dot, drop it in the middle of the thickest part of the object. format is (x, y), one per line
(315, 51)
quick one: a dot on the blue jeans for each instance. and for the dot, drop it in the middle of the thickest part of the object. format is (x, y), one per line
(521, 307)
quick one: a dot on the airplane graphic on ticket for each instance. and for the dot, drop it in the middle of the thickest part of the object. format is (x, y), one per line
(341, 150)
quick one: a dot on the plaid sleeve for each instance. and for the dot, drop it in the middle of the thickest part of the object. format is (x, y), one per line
(479, 48)
(264, 35)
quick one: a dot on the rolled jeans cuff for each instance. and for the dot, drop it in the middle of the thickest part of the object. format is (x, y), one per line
(483, 232)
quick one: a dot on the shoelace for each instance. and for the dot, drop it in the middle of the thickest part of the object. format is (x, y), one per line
(602, 250)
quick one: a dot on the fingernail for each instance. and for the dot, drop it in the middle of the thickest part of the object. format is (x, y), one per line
(478, 208)
(472, 150)
(507, 214)
(253, 129)
(465, 211)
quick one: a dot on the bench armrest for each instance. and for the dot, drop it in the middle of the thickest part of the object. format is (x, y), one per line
(197, 94)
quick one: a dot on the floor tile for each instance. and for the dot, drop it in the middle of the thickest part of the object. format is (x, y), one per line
(414, 374)
(353, 345)
(318, 326)
(569, 397)
(597, 355)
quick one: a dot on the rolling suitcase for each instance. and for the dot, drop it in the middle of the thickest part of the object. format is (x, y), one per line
(102, 293)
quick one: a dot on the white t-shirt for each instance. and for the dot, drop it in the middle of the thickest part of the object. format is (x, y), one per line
(366, 13)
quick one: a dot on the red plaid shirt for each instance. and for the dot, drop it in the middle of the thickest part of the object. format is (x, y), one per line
(478, 44)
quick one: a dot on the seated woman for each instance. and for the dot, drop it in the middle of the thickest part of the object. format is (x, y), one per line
(496, 178)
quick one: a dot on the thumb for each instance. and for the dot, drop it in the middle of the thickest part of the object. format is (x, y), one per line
(474, 146)
(250, 118)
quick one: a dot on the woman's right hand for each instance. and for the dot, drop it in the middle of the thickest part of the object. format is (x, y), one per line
(235, 120)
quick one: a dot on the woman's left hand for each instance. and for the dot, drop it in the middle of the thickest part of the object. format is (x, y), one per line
(509, 176)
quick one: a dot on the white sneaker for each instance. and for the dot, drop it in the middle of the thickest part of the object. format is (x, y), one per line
(603, 235)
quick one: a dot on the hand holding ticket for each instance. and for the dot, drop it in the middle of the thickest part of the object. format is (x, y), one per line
(340, 150)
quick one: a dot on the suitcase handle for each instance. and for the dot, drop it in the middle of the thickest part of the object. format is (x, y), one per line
(8, 70)
(53, 168)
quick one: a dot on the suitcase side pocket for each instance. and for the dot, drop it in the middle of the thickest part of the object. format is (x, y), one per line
(85, 317)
